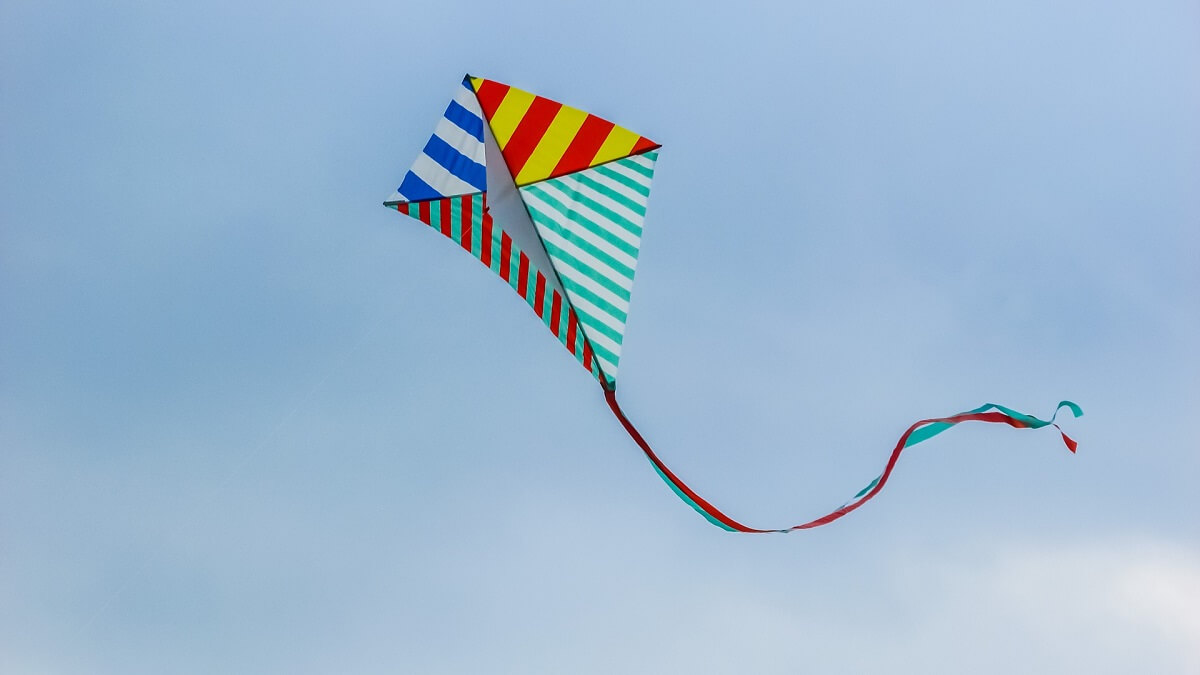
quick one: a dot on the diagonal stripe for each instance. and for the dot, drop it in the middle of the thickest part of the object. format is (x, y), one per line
(596, 321)
(583, 147)
(627, 185)
(575, 205)
(624, 179)
(552, 146)
(437, 177)
(607, 346)
(413, 189)
(459, 165)
(609, 357)
(593, 234)
(557, 195)
(611, 187)
(508, 114)
(619, 143)
(566, 253)
(578, 282)
(599, 203)
(489, 94)
(529, 132)
(587, 239)
(461, 141)
(616, 199)
(579, 206)
(644, 164)
(466, 120)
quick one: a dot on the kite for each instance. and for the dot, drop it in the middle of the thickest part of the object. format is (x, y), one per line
(553, 199)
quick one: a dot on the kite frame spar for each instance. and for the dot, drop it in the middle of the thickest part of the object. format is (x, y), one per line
(570, 211)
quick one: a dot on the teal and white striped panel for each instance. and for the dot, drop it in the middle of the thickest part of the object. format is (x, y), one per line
(591, 224)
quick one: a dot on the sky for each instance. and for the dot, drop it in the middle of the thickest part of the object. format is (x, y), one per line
(253, 422)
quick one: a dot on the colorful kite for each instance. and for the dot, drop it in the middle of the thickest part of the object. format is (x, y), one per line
(553, 199)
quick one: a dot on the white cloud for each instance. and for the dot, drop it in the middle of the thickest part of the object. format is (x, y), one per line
(1115, 606)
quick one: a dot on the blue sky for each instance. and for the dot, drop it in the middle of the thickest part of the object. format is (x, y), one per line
(253, 422)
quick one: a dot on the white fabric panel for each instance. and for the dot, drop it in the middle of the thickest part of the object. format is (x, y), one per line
(509, 214)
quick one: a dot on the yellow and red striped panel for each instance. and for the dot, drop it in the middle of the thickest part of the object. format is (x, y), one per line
(543, 139)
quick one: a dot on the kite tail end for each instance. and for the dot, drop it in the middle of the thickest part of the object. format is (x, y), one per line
(1076, 411)
(1067, 440)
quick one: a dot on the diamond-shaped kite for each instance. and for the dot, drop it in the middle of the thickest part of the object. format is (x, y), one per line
(552, 199)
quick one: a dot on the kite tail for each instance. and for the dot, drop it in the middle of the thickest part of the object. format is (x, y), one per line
(918, 432)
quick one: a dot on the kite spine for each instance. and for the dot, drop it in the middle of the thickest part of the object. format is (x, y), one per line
(918, 432)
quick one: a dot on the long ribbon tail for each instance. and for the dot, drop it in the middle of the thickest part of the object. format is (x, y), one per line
(918, 432)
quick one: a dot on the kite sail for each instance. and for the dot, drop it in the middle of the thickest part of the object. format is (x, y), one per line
(553, 199)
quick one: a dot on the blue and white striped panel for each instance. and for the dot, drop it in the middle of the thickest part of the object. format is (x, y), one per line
(452, 162)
